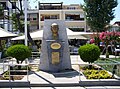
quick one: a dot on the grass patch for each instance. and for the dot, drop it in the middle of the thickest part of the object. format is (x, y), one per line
(109, 65)
(115, 59)
(104, 60)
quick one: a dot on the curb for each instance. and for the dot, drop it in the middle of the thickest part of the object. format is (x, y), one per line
(7, 84)
(14, 84)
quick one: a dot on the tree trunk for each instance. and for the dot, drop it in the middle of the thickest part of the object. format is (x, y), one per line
(107, 53)
(29, 37)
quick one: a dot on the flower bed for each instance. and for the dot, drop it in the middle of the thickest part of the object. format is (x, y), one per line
(95, 73)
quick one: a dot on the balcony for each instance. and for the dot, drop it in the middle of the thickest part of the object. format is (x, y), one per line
(70, 17)
(50, 6)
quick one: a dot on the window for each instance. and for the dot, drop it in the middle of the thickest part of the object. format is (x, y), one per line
(1, 25)
(13, 5)
(72, 17)
(77, 29)
(72, 8)
(34, 18)
(54, 17)
(49, 17)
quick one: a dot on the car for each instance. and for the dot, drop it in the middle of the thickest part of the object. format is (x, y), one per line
(117, 50)
(74, 51)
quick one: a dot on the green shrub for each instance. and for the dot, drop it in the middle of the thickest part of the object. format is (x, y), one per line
(95, 74)
(20, 52)
(89, 52)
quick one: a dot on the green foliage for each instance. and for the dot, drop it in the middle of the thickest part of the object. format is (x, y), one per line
(107, 55)
(89, 52)
(99, 13)
(18, 24)
(20, 52)
(95, 74)
(1, 11)
(2, 45)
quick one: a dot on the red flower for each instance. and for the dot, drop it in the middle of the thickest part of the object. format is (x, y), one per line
(105, 36)
(92, 41)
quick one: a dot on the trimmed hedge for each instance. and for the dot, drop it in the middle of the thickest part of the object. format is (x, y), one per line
(20, 52)
(89, 52)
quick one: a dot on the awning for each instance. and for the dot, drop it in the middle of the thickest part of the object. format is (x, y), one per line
(6, 34)
(37, 35)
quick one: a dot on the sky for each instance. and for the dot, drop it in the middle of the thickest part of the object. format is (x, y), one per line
(34, 3)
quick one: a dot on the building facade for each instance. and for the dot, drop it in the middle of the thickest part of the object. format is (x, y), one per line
(115, 26)
(72, 14)
(5, 21)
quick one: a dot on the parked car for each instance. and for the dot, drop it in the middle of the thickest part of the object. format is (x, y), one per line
(74, 51)
(117, 50)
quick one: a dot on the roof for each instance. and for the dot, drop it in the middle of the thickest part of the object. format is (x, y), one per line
(117, 22)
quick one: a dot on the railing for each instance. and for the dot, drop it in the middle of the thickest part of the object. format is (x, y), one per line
(11, 71)
(20, 71)
(35, 55)
(112, 68)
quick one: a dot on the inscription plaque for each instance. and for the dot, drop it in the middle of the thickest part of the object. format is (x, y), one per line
(55, 58)
(55, 46)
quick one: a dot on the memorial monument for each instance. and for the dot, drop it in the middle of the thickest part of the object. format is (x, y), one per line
(55, 54)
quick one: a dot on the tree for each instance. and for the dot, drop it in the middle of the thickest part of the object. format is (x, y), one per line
(18, 23)
(109, 38)
(1, 11)
(20, 52)
(99, 13)
(89, 53)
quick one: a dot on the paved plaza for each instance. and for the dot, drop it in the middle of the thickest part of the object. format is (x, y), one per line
(69, 80)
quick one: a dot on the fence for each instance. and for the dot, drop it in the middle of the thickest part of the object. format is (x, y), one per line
(12, 72)
(111, 68)
(35, 55)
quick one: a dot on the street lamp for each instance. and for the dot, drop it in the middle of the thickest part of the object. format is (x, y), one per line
(25, 22)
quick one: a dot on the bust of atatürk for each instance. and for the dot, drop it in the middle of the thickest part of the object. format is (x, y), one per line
(54, 29)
